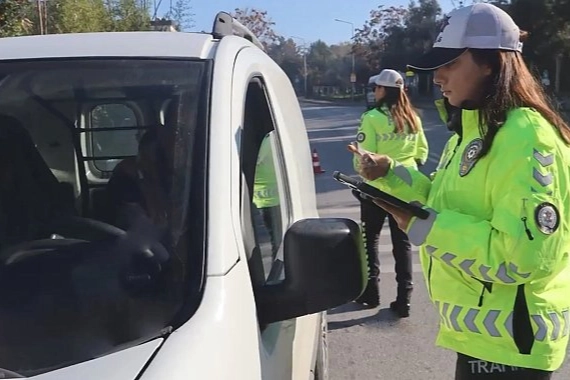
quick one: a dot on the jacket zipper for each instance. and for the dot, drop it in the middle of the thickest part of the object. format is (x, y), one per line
(488, 286)
(429, 275)
(431, 258)
(524, 219)
(453, 154)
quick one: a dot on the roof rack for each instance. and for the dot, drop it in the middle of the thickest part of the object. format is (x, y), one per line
(226, 25)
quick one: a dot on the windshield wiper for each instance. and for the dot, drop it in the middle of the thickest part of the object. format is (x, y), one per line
(163, 333)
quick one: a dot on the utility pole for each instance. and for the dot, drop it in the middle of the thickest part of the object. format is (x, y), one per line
(305, 73)
(42, 15)
(352, 74)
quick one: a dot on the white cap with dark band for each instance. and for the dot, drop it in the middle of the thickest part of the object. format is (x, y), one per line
(389, 78)
(478, 26)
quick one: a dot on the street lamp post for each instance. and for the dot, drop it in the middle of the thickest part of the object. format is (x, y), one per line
(304, 64)
(352, 74)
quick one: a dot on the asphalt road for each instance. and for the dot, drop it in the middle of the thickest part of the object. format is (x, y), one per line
(372, 344)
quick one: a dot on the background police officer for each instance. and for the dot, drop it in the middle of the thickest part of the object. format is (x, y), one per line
(394, 128)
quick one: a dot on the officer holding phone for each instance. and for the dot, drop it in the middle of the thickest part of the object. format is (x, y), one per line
(393, 128)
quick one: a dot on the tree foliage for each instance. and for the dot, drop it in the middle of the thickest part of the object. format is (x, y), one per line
(259, 23)
(14, 17)
(392, 36)
(21, 17)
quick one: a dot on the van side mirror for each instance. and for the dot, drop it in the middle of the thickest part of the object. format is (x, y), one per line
(325, 266)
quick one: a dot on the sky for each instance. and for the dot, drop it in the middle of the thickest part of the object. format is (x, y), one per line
(310, 20)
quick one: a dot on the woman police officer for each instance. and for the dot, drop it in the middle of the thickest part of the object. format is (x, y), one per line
(495, 250)
(393, 128)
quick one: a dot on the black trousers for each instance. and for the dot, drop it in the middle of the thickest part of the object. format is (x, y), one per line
(468, 368)
(373, 218)
(272, 221)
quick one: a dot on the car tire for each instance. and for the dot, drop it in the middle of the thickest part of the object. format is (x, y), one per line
(322, 362)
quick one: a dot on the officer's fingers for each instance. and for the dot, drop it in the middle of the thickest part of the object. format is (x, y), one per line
(387, 206)
(394, 210)
(380, 159)
(401, 216)
(353, 149)
(367, 171)
(367, 160)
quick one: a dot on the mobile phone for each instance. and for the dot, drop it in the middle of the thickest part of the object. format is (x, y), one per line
(373, 193)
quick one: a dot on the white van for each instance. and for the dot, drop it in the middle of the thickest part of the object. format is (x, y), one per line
(129, 244)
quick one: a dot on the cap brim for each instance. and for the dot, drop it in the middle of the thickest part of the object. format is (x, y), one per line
(436, 58)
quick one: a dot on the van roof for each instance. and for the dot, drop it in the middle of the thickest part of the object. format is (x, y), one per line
(107, 44)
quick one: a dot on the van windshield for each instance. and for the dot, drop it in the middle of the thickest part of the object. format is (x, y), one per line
(102, 205)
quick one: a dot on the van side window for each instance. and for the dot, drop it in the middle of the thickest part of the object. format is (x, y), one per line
(116, 142)
(266, 208)
(268, 212)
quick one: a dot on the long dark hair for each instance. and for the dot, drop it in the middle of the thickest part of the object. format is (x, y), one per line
(400, 108)
(510, 86)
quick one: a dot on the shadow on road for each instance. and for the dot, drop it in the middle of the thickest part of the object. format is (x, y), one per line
(384, 317)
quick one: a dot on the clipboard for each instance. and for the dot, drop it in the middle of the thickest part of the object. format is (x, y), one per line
(371, 192)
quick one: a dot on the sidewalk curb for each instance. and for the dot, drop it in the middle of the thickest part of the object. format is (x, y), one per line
(418, 103)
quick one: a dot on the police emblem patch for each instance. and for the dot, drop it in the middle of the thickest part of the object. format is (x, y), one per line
(470, 156)
(360, 137)
(547, 218)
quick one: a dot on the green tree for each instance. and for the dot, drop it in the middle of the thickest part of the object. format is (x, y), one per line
(76, 16)
(319, 59)
(395, 35)
(181, 13)
(548, 44)
(129, 15)
(370, 40)
(289, 57)
(259, 23)
(14, 17)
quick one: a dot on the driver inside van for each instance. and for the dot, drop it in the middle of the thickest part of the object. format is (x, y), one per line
(142, 184)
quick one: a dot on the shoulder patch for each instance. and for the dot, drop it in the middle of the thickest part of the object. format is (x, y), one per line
(470, 156)
(547, 218)
(360, 137)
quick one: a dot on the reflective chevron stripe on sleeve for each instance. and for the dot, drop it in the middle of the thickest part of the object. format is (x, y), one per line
(498, 324)
(403, 173)
(396, 136)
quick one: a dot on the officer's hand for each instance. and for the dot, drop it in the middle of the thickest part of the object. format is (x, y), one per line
(372, 165)
(401, 216)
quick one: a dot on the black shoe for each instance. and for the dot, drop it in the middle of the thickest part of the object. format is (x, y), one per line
(401, 309)
(402, 304)
(371, 295)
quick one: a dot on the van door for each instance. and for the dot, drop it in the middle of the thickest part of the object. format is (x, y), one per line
(265, 201)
